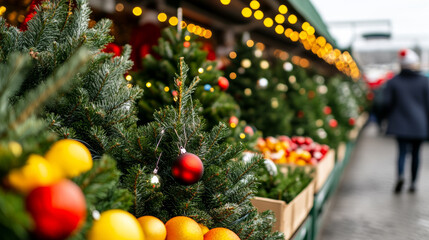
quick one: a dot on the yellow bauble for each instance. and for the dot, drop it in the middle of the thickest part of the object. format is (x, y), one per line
(116, 225)
(36, 172)
(153, 228)
(204, 229)
(220, 234)
(183, 228)
(71, 156)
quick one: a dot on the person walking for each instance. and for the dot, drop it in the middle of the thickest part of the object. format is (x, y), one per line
(406, 101)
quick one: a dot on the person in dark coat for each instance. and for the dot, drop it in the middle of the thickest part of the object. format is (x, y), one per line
(406, 100)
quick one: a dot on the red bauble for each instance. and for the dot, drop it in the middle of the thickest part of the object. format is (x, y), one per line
(327, 110)
(233, 119)
(186, 44)
(31, 13)
(333, 123)
(352, 121)
(187, 169)
(308, 140)
(223, 83)
(57, 210)
(249, 130)
(324, 149)
(113, 48)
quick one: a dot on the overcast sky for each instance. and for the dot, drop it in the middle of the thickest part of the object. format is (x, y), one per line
(409, 18)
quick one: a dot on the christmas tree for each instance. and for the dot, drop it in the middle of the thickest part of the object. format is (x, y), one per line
(256, 90)
(98, 110)
(159, 70)
(222, 197)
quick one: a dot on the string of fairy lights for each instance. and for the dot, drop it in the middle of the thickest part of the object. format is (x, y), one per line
(283, 23)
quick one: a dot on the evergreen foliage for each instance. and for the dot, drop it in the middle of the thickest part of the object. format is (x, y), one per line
(222, 197)
(160, 69)
(22, 133)
(263, 106)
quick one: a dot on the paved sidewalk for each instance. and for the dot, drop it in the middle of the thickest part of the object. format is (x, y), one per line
(364, 207)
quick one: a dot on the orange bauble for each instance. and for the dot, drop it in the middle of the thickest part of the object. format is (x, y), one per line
(153, 228)
(183, 228)
(220, 234)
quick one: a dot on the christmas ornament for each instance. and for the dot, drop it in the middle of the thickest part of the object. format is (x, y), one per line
(233, 121)
(220, 233)
(352, 121)
(57, 210)
(327, 110)
(113, 48)
(71, 156)
(116, 225)
(186, 44)
(153, 228)
(249, 130)
(207, 87)
(204, 229)
(333, 123)
(223, 83)
(262, 83)
(183, 228)
(187, 169)
(36, 172)
(154, 180)
(31, 13)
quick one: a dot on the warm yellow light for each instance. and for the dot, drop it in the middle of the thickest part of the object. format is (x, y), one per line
(225, 2)
(294, 36)
(187, 38)
(242, 135)
(183, 24)
(119, 7)
(191, 28)
(303, 35)
(248, 92)
(279, 29)
(279, 19)
(288, 32)
(233, 75)
(304, 63)
(209, 68)
(328, 47)
(211, 89)
(233, 125)
(284, 56)
(128, 78)
(282, 9)
(310, 30)
(173, 21)
(305, 25)
(208, 34)
(250, 43)
(198, 30)
(21, 18)
(148, 84)
(311, 38)
(258, 15)
(129, 85)
(246, 12)
(200, 70)
(162, 17)
(337, 52)
(264, 64)
(254, 4)
(260, 46)
(292, 19)
(137, 11)
(246, 63)
(232, 55)
(306, 44)
(166, 89)
(268, 22)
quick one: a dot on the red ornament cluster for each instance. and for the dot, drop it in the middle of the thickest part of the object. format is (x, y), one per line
(327, 110)
(317, 151)
(31, 13)
(333, 123)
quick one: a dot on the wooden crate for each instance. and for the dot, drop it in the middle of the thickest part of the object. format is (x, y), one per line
(323, 169)
(341, 151)
(289, 216)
